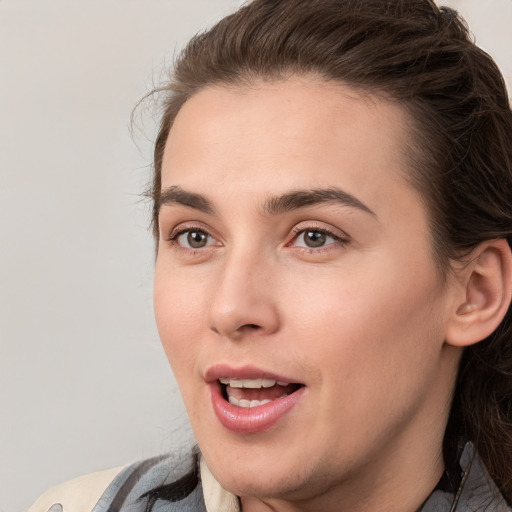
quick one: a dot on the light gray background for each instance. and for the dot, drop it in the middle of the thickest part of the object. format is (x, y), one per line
(84, 384)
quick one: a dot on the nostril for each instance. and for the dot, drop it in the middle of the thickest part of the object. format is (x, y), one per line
(253, 326)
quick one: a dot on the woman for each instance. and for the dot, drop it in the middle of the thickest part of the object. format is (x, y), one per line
(333, 218)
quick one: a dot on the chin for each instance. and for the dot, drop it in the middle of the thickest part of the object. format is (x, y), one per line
(267, 473)
(288, 486)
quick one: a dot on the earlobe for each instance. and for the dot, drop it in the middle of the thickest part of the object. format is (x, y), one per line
(485, 294)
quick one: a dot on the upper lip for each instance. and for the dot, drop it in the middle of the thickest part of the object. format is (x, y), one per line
(218, 371)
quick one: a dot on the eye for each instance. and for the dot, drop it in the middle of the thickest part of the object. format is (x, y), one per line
(314, 238)
(192, 239)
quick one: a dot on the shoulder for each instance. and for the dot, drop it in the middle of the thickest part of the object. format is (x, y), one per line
(144, 485)
(79, 494)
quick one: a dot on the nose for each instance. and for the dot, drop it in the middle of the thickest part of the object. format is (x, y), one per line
(243, 302)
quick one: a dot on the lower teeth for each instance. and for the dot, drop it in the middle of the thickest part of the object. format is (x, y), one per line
(247, 404)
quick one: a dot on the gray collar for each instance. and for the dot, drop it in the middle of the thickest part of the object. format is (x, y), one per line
(477, 492)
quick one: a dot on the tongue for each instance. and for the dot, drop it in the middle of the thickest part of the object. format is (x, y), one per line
(261, 393)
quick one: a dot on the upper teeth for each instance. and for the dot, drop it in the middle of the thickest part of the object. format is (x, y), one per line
(251, 383)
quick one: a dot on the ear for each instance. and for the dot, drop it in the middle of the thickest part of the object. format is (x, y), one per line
(483, 294)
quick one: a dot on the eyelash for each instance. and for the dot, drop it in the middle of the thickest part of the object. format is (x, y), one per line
(296, 232)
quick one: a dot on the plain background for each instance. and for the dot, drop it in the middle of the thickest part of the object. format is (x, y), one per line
(84, 384)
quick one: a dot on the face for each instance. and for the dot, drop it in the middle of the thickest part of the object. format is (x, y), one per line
(296, 294)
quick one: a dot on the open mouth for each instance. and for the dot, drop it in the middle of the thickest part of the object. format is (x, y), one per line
(249, 393)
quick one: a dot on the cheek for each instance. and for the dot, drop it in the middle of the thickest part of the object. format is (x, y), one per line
(179, 318)
(372, 321)
(377, 345)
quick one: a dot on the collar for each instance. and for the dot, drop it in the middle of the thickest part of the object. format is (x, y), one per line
(476, 491)
(216, 498)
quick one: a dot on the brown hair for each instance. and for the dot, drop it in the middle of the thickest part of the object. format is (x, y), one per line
(422, 56)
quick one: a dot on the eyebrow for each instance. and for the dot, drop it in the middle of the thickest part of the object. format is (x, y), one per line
(301, 198)
(289, 201)
(177, 195)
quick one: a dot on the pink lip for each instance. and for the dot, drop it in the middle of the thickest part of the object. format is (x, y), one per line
(249, 420)
(243, 372)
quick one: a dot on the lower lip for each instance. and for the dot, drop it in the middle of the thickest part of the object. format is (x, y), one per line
(251, 420)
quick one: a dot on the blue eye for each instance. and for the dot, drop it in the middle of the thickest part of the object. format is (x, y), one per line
(314, 238)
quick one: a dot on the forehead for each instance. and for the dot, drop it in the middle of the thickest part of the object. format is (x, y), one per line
(301, 132)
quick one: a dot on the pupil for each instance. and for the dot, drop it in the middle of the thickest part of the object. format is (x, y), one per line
(314, 238)
(196, 239)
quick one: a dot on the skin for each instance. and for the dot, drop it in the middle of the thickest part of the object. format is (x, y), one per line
(360, 320)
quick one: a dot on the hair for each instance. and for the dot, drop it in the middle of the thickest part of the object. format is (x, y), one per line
(460, 155)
